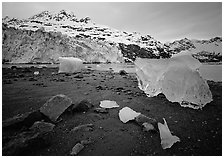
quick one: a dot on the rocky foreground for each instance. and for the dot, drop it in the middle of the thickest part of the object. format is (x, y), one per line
(85, 129)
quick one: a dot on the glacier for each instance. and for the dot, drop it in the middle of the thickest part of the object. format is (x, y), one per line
(177, 78)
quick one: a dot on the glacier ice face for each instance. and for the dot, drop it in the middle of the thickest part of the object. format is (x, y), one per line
(70, 65)
(177, 78)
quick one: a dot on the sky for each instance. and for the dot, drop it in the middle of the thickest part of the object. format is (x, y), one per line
(165, 21)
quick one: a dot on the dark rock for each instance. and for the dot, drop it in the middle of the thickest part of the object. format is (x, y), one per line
(26, 70)
(7, 82)
(119, 89)
(100, 87)
(123, 72)
(100, 110)
(55, 106)
(83, 106)
(86, 141)
(21, 75)
(85, 127)
(23, 120)
(42, 127)
(28, 139)
(32, 79)
(146, 122)
(14, 67)
(80, 75)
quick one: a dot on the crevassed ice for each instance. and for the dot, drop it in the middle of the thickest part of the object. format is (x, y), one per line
(177, 78)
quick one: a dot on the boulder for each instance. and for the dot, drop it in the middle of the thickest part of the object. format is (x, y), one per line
(28, 139)
(55, 106)
(83, 106)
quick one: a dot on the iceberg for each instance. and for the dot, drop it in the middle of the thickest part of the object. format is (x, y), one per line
(70, 65)
(177, 78)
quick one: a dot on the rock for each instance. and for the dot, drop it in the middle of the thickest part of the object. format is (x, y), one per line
(80, 75)
(86, 142)
(55, 106)
(26, 70)
(7, 82)
(76, 149)
(141, 119)
(148, 127)
(100, 110)
(28, 139)
(119, 89)
(19, 143)
(14, 67)
(42, 127)
(100, 88)
(123, 72)
(85, 127)
(23, 120)
(32, 79)
(83, 106)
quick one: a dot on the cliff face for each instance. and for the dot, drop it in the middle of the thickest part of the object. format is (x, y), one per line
(27, 46)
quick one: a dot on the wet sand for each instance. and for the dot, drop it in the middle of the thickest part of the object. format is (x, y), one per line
(200, 131)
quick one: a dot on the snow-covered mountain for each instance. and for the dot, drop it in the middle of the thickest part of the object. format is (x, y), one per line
(46, 36)
(204, 50)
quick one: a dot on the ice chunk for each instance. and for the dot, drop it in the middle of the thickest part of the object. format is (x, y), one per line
(177, 78)
(108, 104)
(183, 85)
(126, 114)
(167, 139)
(185, 59)
(149, 73)
(36, 73)
(70, 65)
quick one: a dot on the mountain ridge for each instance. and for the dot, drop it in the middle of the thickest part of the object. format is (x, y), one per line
(71, 28)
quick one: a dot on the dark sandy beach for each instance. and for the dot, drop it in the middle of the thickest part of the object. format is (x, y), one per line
(200, 131)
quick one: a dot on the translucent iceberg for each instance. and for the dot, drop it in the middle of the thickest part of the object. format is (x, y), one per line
(70, 65)
(177, 78)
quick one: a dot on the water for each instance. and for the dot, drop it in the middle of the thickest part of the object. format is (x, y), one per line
(208, 72)
(211, 72)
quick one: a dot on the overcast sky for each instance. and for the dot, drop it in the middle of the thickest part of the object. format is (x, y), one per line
(164, 21)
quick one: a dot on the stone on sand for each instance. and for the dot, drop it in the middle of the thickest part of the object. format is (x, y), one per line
(55, 106)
